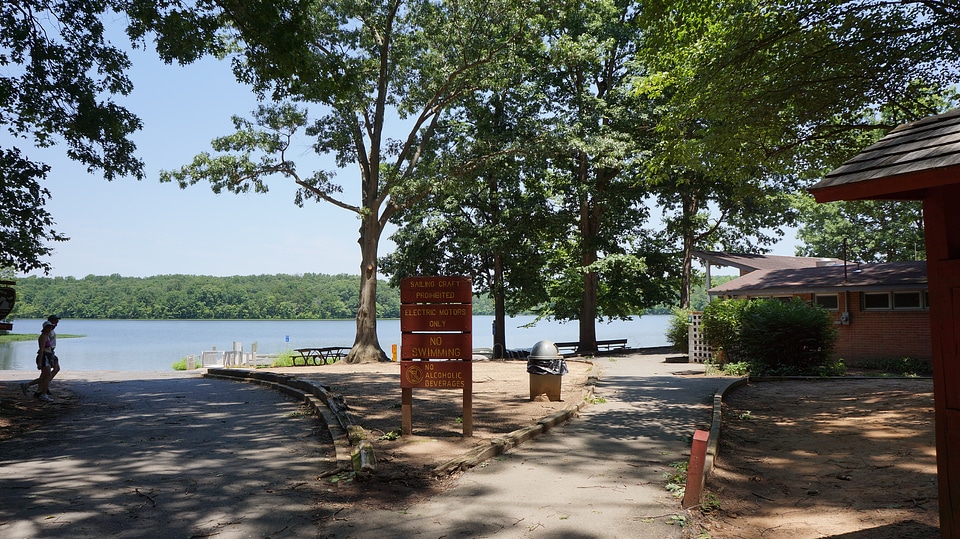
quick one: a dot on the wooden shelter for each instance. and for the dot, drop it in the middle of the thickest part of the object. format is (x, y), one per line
(921, 161)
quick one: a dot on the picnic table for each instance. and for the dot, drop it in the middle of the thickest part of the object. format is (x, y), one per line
(320, 356)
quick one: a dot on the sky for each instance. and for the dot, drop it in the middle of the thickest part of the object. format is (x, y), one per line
(144, 228)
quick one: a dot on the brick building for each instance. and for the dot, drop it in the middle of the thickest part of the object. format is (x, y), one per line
(880, 310)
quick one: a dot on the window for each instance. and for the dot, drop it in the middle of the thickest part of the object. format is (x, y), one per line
(907, 300)
(876, 300)
(829, 302)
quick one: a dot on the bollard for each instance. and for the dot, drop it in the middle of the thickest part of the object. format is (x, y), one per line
(693, 492)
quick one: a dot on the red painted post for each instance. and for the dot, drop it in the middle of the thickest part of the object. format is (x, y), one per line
(693, 492)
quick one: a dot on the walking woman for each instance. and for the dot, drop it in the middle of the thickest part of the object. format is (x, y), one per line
(47, 360)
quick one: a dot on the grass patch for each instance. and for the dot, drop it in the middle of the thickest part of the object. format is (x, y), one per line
(902, 366)
(180, 365)
(17, 337)
(284, 359)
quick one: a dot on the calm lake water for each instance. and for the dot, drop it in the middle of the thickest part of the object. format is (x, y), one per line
(154, 345)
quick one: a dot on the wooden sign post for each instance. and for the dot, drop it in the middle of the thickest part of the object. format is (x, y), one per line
(7, 298)
(436, 323)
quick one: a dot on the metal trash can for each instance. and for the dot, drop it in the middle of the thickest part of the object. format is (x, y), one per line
(545, 366)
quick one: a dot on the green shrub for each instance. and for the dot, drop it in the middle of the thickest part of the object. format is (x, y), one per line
(786, 337)
(721, 328)
(740, 368)
(181, 365)
(678, 332)
(772, 337)
(284, 359)
(837, 368)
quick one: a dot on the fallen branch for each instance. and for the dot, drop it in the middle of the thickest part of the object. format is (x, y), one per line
(147, 496)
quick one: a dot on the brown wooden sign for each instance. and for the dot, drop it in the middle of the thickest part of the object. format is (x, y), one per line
(457, 317)
(436, 290)
(8, 297)
(436, 320)
(436, 374)
(436, 346)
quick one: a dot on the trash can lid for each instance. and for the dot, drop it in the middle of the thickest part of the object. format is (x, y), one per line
(545, 350)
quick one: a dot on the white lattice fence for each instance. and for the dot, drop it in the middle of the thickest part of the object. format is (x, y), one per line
(699, 351)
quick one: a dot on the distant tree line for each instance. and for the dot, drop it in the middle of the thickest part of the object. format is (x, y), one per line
(258, 297)
(190, 297)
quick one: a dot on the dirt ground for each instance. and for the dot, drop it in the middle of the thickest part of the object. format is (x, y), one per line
(19, 413)
(851, 458)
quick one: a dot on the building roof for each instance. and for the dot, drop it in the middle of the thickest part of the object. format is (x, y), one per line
(753, 262)
(828, 279)
(909, 159)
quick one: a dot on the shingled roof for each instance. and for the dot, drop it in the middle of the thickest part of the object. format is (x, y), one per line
(828, 279)
(752, 262)
(901, 165)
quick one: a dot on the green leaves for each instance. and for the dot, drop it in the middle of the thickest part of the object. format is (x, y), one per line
(756, 83)
(251, 155)
(869, 230)
(58, 78)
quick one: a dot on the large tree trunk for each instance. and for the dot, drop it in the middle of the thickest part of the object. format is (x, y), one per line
(588, 315)
(499, 310)
(589, 226)
(366, 346)
(690, 208)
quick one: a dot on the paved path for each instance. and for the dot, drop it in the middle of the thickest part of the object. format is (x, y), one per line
(600, 475)
(169, 455)
(187, 457)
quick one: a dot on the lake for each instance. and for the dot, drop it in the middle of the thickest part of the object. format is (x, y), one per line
(152, 345)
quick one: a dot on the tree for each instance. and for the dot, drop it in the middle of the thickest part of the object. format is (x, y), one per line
(487, 222)
(606, 264)
(756, 99)
(862, 230)
(550, 210)
(766, 83)
(362, 64)
(57, 75)
(741, 213)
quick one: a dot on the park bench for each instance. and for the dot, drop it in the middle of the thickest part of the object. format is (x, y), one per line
(607, 345)
(320, 356)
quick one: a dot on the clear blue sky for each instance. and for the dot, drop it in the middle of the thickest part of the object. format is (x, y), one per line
(143, 228)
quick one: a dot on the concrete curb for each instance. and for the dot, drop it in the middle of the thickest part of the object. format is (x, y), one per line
(359, 457)
(713, 442)
(318, 397)
(503, 444)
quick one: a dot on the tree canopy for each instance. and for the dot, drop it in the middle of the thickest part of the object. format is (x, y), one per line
(58, 76)
(758, 99)
(862, 230)
(763, 82)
